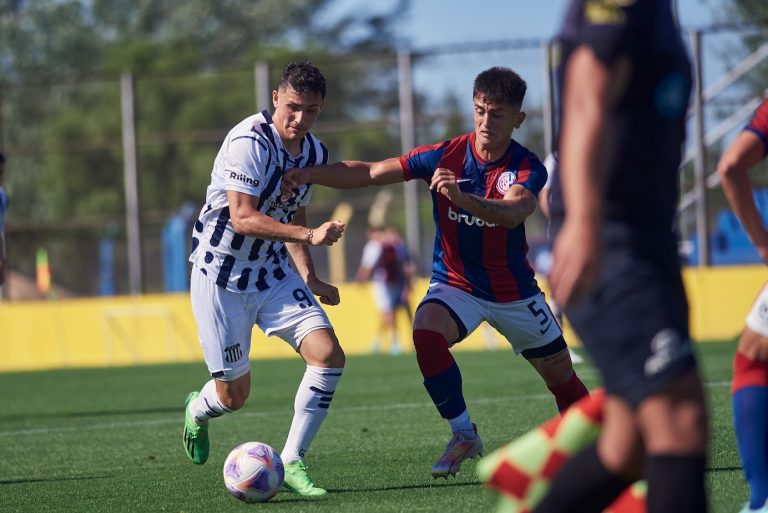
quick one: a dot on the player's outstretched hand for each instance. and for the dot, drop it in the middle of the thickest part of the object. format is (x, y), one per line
(292, 180)
(575, 261)
(444, 181)
(327, 293)
(327, 233)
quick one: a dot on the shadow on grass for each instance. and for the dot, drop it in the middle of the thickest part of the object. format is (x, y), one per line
(435, 484)
(287, 498)
(98, 413)
(724, 469)
(48, 479)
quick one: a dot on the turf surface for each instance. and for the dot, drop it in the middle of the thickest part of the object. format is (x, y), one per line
(109, 440)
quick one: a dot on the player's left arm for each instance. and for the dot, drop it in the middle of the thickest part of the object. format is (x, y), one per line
(746, 151)
(302, 259)
(513, 209)
(516, 205)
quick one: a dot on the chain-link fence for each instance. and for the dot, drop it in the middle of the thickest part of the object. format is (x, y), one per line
(65, 150)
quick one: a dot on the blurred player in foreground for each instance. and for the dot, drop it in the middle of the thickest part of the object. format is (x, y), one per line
(750, 364)
(387, 264)
(616, 269)
(484, 185)
(241, 275)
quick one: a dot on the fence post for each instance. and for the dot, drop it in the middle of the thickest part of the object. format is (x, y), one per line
(261, 84)
(700, 160)
(548, 102)
(407, 143)
(130, 173)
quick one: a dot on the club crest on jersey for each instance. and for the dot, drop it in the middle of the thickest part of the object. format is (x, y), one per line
(505, 181)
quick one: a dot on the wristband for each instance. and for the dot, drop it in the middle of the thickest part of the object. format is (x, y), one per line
(309, 236)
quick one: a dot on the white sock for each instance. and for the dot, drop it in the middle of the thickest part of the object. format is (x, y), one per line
(309, 410)
(461, 423)
(207, 405)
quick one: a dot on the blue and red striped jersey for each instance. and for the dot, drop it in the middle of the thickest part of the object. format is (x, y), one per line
(484, 259)
(759, 123)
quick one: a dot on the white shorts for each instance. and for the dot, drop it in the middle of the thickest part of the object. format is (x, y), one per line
(225, 319)
(387, 296)
(757, 319)
(526, 324)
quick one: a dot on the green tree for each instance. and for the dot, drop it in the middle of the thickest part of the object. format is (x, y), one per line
(60, 62)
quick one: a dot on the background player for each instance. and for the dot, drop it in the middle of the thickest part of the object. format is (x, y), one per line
(3, 211)
(241, 275)
(387, 264)
(480, 271)
(750, 363)
(616, 267)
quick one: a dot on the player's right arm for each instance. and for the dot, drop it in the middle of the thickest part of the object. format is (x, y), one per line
(244, 171)
(247, 220)
(348, 174)
(743, 154)
(371, 255)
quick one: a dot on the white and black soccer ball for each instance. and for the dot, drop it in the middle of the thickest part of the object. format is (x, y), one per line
(253, 472)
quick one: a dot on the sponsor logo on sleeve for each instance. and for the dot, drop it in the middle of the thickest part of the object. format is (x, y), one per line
(242, 177)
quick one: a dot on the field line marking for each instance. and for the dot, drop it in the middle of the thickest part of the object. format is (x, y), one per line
(351, 409)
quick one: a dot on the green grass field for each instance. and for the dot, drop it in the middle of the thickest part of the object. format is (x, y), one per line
(109, 440)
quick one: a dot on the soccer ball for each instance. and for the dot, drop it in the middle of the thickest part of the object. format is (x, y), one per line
(253, 472)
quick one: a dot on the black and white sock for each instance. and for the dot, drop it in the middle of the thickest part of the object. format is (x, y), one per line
(207, 405)
(310, 408)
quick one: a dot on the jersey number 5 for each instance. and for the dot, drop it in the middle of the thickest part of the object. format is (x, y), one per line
(538, 312)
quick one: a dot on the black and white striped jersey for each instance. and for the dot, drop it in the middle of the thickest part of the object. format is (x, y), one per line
(251, 160)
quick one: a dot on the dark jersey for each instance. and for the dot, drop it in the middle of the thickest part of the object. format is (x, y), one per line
(646, 121)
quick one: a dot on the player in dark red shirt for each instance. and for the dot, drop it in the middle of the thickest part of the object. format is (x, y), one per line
(484, 186)
(750, 363)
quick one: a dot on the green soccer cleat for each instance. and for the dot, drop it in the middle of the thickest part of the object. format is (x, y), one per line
(195, 437)
(298, 481)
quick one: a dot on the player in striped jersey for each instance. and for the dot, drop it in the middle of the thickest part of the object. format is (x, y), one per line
(241, 275)
(750, 363)
(484, 185)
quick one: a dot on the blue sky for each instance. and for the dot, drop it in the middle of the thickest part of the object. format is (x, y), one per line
(431, 22)
(445, 22)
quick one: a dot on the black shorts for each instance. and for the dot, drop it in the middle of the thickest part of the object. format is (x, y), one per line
(634, 324)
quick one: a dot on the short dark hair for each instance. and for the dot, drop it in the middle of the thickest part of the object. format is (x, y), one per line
(304, 78)
(500, 85)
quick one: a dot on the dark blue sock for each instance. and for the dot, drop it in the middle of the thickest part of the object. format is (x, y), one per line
(445, 391)
(750, 419)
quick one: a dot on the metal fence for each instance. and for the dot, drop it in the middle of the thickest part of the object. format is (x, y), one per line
(84, 132)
